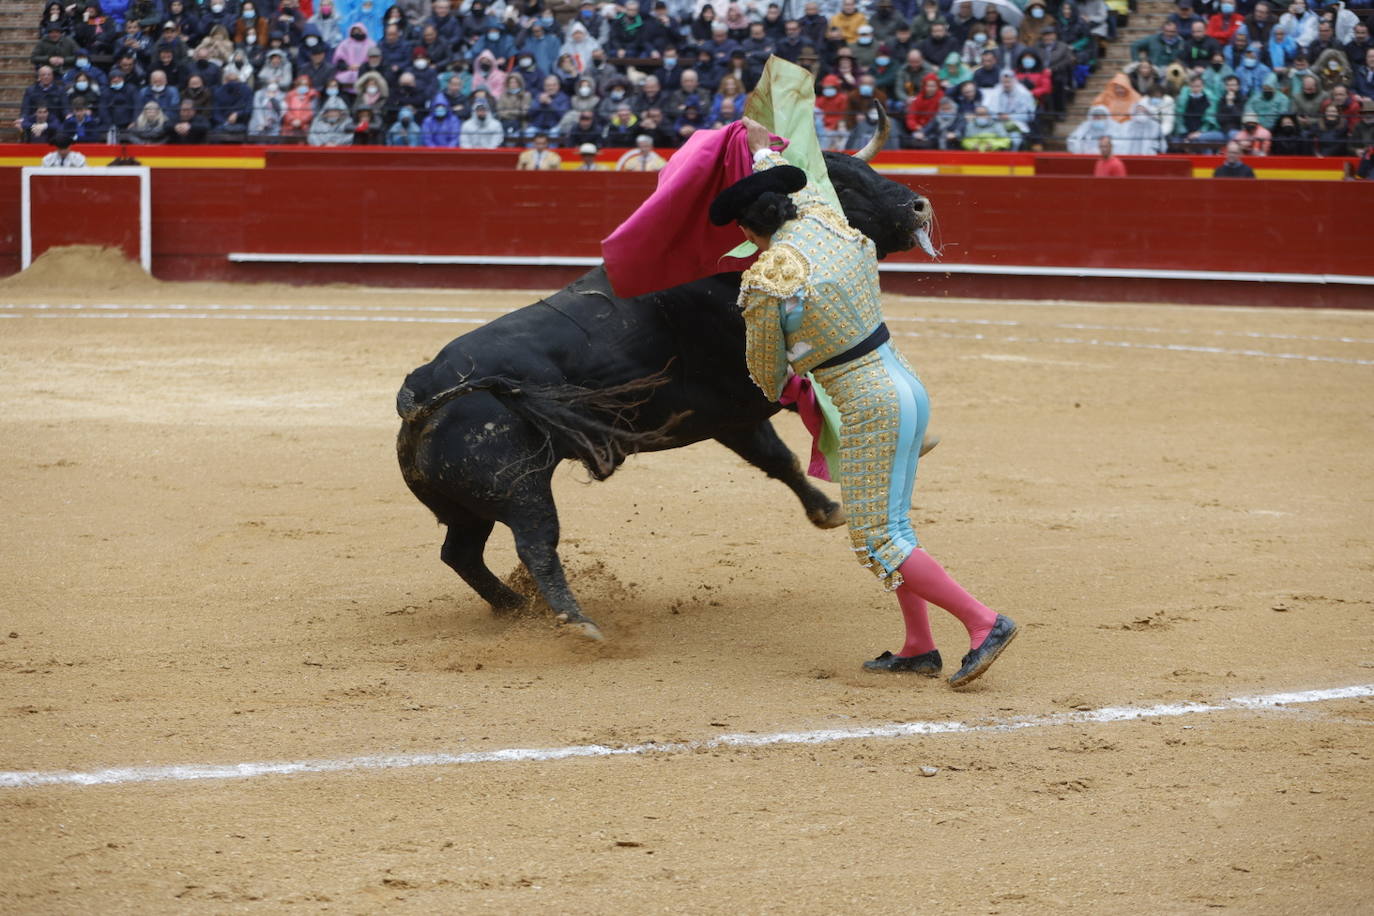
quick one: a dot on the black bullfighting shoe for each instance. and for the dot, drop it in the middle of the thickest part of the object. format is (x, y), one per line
(1003, 631)
(927, 663)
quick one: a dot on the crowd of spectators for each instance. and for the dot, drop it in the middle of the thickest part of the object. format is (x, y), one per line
(489, 73)
(1294, 81)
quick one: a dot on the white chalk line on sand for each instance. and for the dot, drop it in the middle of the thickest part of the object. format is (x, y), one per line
(408, 319)
(187, 310)
(1109, 714)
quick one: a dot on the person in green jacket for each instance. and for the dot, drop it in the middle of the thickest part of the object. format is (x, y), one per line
(54, 49)
(982, 132)
(1162, 48)
(1269, 103)
(1195, 119)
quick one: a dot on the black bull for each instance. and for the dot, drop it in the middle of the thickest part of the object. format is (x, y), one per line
(585, 374)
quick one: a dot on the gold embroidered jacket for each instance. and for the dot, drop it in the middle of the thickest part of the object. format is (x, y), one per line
(812, 295)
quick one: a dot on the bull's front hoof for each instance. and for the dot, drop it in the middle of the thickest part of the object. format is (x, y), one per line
(831, 516)
(582, 627)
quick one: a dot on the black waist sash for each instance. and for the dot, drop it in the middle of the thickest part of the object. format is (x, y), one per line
(870, 343)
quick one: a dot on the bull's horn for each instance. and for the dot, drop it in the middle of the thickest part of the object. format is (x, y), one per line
(879, 139)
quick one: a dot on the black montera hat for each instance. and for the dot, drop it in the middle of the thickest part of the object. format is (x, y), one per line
(785, 179)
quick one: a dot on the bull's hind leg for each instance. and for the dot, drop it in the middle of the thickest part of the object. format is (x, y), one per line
(535, 527)
(760, 446)
(462, 551)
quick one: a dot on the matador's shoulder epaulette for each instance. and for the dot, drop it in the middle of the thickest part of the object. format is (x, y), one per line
(780, 271)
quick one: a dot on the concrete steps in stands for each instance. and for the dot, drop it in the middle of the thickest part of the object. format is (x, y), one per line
(1144, 22)
(18, 34)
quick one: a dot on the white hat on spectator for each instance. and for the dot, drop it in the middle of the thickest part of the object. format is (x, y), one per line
(587, 149)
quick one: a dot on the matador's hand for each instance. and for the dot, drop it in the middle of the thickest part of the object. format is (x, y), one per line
(757, 135)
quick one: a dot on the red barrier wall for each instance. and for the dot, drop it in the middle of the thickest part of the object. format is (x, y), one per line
(1306, 227)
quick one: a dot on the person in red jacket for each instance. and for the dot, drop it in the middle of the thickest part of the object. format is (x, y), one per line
(1223, 25)
(1035, 76)
(834, 108)
(1108, 165)
(924, 106)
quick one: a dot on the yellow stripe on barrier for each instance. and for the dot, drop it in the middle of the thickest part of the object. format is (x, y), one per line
(1288, 174)
(158, 162)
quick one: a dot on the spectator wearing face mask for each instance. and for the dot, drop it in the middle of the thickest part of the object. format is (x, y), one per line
(1267, 104)
(158, 90)
(1142, 135)
(1252, 72)
(982, 132)
(1037, 14)
(240, 65)
(441, 129)
(352, 53)
(426, 77)
(251, 23)
(1098, 124)
(119, 102)
(1032, 73)
(1013, 107)
(269, 107)
(832, 109)
(478, 19)
(541, 42)
(486, 74)
(88, 87)
(513, 107)
(327, 23)
(231, 106)
(1254, 139)
(405, 132)
(373, 91)
(276, 69)
(498, 43)
(1300, 23)
(316, 66)
(482, 130)
(617, 93)
(301, 103)
(1222, 25)
(528, 68)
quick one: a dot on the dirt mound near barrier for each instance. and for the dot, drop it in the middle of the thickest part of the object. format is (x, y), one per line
(87, 267)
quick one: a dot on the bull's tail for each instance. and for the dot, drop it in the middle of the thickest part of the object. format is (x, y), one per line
(593, 425)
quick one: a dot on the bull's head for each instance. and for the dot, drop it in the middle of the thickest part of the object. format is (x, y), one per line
(891, 214)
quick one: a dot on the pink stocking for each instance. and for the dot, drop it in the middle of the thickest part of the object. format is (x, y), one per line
(919, 640)
(926, 579)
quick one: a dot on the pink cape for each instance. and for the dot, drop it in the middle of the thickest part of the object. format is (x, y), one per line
(800, 390)
(669, 240)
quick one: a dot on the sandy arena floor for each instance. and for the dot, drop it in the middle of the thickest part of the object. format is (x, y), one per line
(209, 558)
